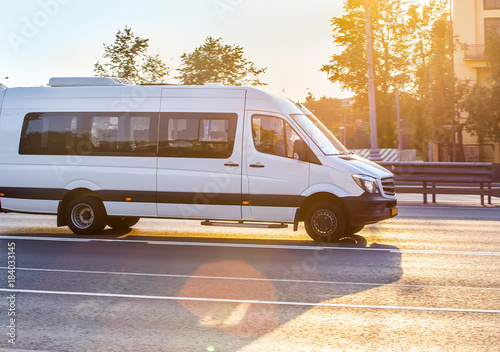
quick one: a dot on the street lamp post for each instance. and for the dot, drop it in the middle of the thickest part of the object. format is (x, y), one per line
(400, 132)
(374, 151)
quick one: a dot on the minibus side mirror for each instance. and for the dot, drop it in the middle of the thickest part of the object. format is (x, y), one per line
(303, 153)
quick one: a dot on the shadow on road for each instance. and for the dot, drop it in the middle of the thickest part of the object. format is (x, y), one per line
(245, 291)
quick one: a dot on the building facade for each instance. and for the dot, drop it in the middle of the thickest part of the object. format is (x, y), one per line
(472, 21)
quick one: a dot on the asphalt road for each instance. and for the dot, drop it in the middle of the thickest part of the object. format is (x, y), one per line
(428, 280)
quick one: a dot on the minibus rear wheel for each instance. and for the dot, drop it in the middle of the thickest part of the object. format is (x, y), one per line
(86, 215)
(325, 222)
(122, 222)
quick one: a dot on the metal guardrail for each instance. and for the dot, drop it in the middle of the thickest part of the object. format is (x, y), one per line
(445, 178)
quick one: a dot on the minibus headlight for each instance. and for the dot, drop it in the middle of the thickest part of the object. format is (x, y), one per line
(367, 183)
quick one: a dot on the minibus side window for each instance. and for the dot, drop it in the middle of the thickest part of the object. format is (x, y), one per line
(197, 135)
(272, 135)
(50, 134)
(113, 134)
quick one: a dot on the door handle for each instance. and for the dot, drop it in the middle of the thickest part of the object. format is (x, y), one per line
(231, 164)
(257, 165)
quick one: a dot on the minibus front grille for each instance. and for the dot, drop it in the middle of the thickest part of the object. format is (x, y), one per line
(388, 186)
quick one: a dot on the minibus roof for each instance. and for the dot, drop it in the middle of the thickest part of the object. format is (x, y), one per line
(257, 99)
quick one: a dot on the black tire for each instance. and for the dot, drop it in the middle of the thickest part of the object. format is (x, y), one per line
(86, 216)
(325, 222)
(122, 222)
(352, 229)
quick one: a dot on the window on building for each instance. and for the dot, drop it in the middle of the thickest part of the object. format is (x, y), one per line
(272, 135)
(491, 4)
(197, 135)
(492, 30)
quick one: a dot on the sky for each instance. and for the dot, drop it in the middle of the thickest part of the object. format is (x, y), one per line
(40, 39)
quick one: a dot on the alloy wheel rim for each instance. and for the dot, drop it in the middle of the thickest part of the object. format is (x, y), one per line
(82, 216)
(324, 222)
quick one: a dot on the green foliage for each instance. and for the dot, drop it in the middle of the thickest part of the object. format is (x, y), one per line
(328, 110)
(153, 69)
(218, 63)
(412, 54)
(483, 104)
(434, 87)
(127, 58)
(389, 40)
(334, 116)
(390, 52)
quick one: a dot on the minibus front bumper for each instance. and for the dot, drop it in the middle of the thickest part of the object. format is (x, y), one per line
(370, 208)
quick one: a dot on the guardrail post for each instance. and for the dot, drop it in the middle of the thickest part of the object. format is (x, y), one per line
(425, 194)
(433, 194)
(482, 193)
(489, 193)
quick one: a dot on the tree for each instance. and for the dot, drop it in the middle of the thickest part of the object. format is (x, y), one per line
(127, 58)
(219, 63)
(337, 117)
(407, 57)
(482, 103)
(153, 69)
(391, 51)
(328, 110)
(434, 87)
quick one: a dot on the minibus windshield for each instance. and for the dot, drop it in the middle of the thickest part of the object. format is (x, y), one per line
(320, 135)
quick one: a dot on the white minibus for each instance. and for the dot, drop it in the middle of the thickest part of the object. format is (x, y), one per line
(98, 151)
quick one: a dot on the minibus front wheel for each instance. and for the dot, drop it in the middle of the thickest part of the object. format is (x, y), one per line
(86, 215)
(325, 222)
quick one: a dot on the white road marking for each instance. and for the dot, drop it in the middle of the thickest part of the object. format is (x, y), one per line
(166, 243)
(429, 251)
(55, 239)
(223, 300)
(347, 283)
(312, 247)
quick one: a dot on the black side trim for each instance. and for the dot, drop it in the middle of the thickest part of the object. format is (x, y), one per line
(263, 200)
(198, 198)
(127, 196)
(259, 200)
(34, 193)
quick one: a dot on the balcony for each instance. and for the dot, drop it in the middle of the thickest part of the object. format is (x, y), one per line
(474, 52)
